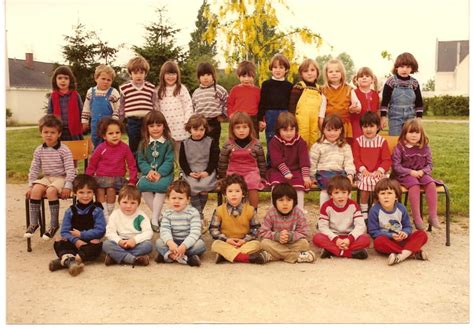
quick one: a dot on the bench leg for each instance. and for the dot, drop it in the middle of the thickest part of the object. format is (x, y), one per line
(448, 219)
(27, 207)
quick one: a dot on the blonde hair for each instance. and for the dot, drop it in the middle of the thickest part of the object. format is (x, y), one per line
(410, 126)
(341, 68)
(241, 118)
(130, 192)
(102, 68)
(365, 71)
(169, 67)
(305, 66)
(138, 63)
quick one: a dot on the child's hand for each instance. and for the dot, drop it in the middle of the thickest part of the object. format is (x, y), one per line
(28, 192)
(351, 178)
(355, 108)
(75, 233)
(307, 182)
(65, 193)
(85, 127)
(130, 243)
(195, 175)
(239, 242)
(383, 122)
(402, 235)
(172, 246)
(220, 118)
(79, 243)
(95, 241)
(365, 172)
(289, 176)
(231, 242)
(417, 173)
(203, 174)
(378, 174)
(284, 236)
(420, 173)
(262, 125)
(181, 250)
(122, 244)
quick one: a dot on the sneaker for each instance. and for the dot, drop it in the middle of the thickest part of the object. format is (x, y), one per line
(194, 260)
(360, 254)
(393, 259)
(159, 258)
(142, 260)
(30, 231)
(109, 260)
(421, 255)
(325, 254)
(182, 260)
(49, 233)
(261, 257)
(220, 259)
(306, 257)
(55, 265)
(75, 268)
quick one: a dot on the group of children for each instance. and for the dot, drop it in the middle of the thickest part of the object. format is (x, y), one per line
(315, 135)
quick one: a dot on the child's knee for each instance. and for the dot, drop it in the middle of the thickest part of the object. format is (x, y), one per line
(51, 192)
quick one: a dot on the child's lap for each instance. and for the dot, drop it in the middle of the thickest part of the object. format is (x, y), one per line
(51, 181)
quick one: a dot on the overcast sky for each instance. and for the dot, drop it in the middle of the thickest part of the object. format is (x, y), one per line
(361, 28)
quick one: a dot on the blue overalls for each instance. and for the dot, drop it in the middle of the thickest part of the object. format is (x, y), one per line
(100, 108)
(401, 106)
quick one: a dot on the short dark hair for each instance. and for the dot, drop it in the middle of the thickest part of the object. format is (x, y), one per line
(369, 119)
(206, 68)
(387, 184)
(405, 59)
(246, 68)
(196, 121)
(179, 186)
(64, 70)
(130, 192)
(83, 180)
(284, 189)
(281, 59)
(339, 182)
(104, 123)
(234, 179)
(50, 121)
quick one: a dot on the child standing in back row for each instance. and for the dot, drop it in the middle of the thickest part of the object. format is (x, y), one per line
(274, 97)
(175, 103)
(401, 96)
(307, 102)
(101, 101)
(210, 100)
(245, 97)
(341, 99)
(66, 103)
(137, 98)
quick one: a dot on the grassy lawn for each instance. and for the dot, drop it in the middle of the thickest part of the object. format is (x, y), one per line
(449, 143)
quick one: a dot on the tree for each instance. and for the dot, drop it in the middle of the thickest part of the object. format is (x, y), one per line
(251, 33)
(160, 46)
(346, 60)
(429, 85)
(200, 50)
(83, 52)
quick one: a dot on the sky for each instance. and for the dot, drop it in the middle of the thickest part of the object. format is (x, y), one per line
(361, 28)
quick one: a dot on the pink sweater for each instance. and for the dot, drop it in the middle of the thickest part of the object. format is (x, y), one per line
(109, 160)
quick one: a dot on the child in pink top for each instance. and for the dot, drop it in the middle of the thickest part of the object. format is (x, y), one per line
(108, 161)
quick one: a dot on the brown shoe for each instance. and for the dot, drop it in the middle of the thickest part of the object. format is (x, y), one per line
(109, 260)
(142, 260)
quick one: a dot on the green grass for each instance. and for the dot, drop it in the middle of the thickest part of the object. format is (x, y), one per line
(449, 144)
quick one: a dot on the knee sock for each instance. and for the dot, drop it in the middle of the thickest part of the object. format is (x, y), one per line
(203, 198)
(300, 197)
(414, 196)
(148, 197)
(158, 201)
(323, 197)
(241, 258)
(106, 211)
(54, 209)
(35, 208)
(364, 208)
(432, 201)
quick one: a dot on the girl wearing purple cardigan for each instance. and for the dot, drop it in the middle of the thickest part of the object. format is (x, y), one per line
(290, 157)
(412, 167)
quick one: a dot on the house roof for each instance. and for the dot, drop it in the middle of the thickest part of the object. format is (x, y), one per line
(39, 76)
(448, 54)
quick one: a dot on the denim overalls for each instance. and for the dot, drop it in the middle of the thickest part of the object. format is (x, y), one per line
(401, 106)
(100, 107)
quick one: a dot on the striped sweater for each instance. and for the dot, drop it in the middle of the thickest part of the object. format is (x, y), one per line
(182, 225)
(334, 221)
(274, 222)
(328, 156)
(210, 102)
(136, 101)
(52, 161)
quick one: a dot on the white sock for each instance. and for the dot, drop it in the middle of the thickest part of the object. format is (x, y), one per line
(323, 197)
(106, 212)
(364, 208)
(148, 197)
(158, 201)
(300, 197)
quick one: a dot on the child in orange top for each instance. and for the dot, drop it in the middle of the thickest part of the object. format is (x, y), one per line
(341, 98)
(245, 97)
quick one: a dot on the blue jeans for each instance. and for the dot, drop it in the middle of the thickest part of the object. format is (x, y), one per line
(198, 248)
(118, 253)
(134, 126)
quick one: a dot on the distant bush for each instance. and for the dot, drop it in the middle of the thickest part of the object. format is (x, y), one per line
(447, 105)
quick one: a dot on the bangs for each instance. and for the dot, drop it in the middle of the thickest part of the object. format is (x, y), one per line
(170, 68)
(365, 71)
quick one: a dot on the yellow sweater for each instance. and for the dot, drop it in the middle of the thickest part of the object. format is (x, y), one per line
(235, 227)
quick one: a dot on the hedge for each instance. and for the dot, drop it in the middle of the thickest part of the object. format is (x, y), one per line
(447, 105)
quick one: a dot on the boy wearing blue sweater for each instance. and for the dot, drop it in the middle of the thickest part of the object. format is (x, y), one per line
(180, 232)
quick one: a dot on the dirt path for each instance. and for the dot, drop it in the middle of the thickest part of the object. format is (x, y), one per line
(328, 291)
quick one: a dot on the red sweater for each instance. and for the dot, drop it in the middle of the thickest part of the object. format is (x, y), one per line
(371, 154)
(243, 99)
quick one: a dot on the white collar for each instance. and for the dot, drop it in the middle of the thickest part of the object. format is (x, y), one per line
(161, 140)
(281, 79)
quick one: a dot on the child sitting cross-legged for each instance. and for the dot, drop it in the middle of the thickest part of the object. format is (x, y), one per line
(234, 226)
(284, 228)
(128, 231)
(180, 233)
(341, 225)
(82, 228)
(389, 225)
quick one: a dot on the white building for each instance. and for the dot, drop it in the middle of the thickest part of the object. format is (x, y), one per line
(452, 68)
